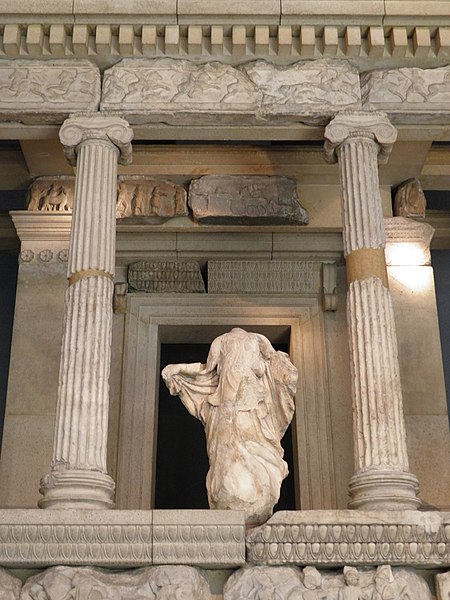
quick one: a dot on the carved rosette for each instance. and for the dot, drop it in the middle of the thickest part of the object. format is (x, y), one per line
(78, 476)
(382, 479)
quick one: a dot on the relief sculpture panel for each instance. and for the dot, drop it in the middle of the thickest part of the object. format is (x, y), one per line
(290, 583)
(169, 91)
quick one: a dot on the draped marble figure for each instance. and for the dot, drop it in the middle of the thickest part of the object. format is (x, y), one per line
(243, 395)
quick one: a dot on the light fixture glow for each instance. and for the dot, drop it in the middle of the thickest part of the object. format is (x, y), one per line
(407, 254)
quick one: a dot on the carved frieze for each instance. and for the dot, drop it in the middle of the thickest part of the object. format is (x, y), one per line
(52, 194)
(147, 197)
(137, 196)
(169, 91)
(151, 583)
(352, 537)
(308, 89)
(420, 93)
(246, 200)
(30, 90)
(253, 583)
(205, 538)
(264, 277)
(166, 276)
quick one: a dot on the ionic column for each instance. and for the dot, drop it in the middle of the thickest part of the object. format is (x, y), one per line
(382, 479)
(78, 476)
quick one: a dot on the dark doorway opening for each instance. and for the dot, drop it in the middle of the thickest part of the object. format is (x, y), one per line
(181, 458)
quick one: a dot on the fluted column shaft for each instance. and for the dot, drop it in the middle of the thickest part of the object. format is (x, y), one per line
(382, 479)
(78, 476)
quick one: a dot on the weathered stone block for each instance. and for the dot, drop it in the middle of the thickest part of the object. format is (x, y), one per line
(264, 277)
(31, 91)
(247, 200)
(171, 91)
(410, 200)
(147, 197)
(408, 94)
(9, 586)
(166, 276)
(206, 538)
(253, 583)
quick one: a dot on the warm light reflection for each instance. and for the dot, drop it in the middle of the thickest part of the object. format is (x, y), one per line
(407, 254)
(418, 279)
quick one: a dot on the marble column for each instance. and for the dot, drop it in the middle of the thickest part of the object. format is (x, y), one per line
(358, 141)
(78, 477)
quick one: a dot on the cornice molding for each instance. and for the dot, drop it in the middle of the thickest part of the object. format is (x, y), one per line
(232, 39)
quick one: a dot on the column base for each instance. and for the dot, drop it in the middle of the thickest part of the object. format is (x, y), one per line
(76, 488)
(383, 490)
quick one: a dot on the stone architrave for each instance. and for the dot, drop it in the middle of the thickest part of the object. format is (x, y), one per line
(166, 276)
(443, 586)
(33, 91)
(410, 200)
(10, 586)
(78, 476)
(243, 395)
(253, 583)
(408, 94)
(147, 197)
(246, 200)
(151, 583)
(171, 91)
(382, 478)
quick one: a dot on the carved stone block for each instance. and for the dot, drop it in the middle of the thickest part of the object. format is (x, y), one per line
(147, 197)
(205, 538)
(356, 537)
(52, 194)
(410, 200)
(246, 200)
(409, 93)
(151, 583)
(31, 90)
(253, 583)
(443, 586)
(9, 586)
(166, 276)
(137, 196)
(307, 91)
(264, 277)
(407, 242)
(171, 91)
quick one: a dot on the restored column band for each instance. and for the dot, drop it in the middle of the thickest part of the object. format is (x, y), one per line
(88, 273)
(365, 263)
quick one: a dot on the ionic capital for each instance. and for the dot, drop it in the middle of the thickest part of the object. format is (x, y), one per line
(112, 129)
(358, 124)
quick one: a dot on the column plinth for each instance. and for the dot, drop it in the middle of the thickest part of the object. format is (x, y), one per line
(382, 479)
(78, 476)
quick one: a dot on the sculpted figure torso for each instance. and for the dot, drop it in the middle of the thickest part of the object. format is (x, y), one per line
(244, 397)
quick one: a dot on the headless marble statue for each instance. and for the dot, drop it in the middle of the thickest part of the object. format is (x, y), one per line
(243, 395)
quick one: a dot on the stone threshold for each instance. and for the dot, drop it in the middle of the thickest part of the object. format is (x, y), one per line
(216, 539)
